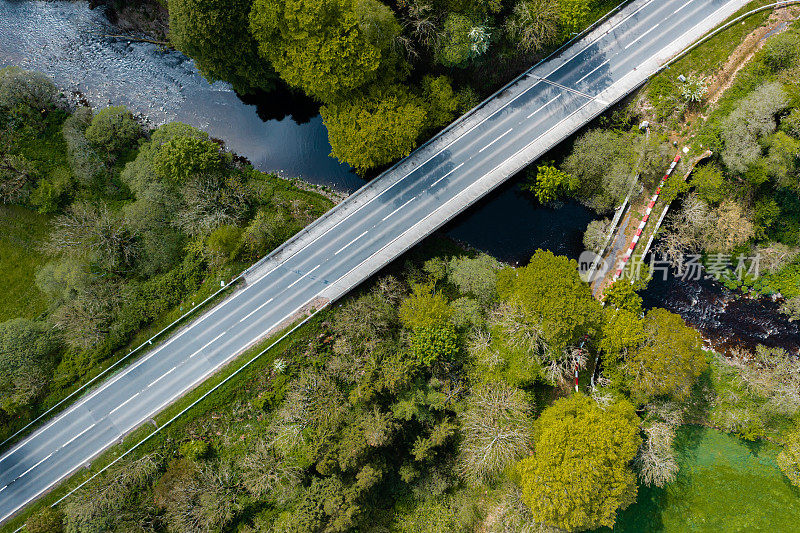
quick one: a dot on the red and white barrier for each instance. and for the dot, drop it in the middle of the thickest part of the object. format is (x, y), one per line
(650, 205)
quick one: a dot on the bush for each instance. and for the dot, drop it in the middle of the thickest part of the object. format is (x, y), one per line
(48, 520)
(114, 129)
(86, 164)
(596, 234)
(27, 95)
(195, 450)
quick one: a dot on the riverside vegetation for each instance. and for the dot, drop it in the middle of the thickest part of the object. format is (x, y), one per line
(111, 228)
(387, 74)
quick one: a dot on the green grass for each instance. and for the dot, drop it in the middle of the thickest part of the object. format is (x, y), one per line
(724, 484)
(663, 90)
(21, 232)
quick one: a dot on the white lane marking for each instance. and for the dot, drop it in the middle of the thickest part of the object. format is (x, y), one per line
(162, 376)
(684, 5)
(256, 310)
(595, 69)
(443, 177)
(494, 141)
(4, 488)
(34, 466)
(349, 243)
(303, 276)
(77, 436)
(123, 404)
(398, 209)
(642, 36)
(206, 345)
(545, 105)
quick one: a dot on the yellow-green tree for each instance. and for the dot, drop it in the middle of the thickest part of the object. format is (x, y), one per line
(579, 474)
(374, 129)
(669, 360)
(551, 293)
(327, 48)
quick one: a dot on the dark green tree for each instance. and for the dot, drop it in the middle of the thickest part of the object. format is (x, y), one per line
(215, 34)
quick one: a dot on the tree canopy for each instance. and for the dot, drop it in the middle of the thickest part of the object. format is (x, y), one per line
(550, 292)
(216, 35)
(579, 474)
(327, 48)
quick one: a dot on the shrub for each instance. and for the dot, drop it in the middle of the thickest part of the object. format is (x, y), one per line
(195, 450)
(113, 129)
(48, 520)
(28, 95)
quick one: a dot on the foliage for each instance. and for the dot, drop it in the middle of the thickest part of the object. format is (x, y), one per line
(709, 182)
(596, 235)
(579, 475)
(550, 292)
(26, 96)
(424, 308)
(327, 48)
(752, 119)
(430, 344)
(113, 129)
(789, 458)
(48, 520)
(214, 33)
(25, 349)
(194, 450)
(669, 360)
(375, 129)
(548, 184)
(475, 275)
(497, 428)
(620, 295)
(181, 158)
(457, 44)
(533, 24)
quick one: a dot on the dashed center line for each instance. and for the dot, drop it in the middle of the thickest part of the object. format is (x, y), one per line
(162, 376)
(443, 177)
(34, 466)
(76, 436)
(120, 406)
(684, 5)
(494, 141)
(398, 209)
(546, 104)
(303, 276)
(594, 70)
(642, 36)
(256, 310)
(349, 243)
(206, 345)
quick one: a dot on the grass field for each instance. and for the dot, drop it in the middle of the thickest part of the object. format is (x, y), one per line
(21, 232)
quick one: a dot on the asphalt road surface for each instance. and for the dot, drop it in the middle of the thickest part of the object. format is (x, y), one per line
(548, 98)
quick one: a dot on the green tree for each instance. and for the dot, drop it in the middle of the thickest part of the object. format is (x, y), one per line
(114, 129)
(549, 184)
(374, 129)
(596, 234)
(622, 331)
(580, 475)
(551, 292)
(442, 103)
(669, 360)
(620, 295)
(424, 308)
(181, 158)
(709, 182)
(327, 48)
(25, 364)
(215, 34)
(25, 95)
(789, 458)
(574, 14)
(430, 344)
(456, 44)
(475, 275)
(533, 24)
(497, 429)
